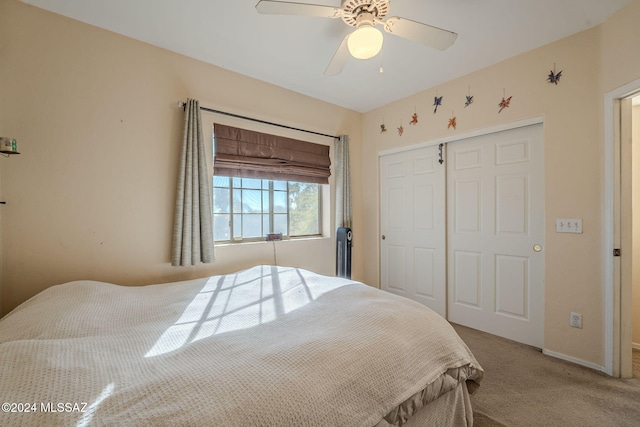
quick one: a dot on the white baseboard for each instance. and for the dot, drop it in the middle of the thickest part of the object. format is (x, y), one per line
(635, 345)
(575, 360)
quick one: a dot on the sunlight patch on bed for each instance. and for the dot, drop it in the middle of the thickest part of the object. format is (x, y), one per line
(239, 301)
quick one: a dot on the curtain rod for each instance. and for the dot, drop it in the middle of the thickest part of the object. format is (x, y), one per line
(184, 105)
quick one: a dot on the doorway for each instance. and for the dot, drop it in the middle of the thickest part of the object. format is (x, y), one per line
(619, 255)
(635, 245)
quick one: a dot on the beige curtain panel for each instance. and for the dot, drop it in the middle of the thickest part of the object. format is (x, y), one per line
(193, 225)
(343, 182)
(250, 154)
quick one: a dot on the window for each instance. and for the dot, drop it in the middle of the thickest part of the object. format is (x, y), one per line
(250, 208)
(266, 184)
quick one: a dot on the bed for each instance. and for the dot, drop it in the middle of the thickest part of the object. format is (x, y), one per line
(266, 346)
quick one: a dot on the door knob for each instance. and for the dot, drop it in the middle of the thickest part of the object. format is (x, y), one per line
(383, 237)
(537, 248)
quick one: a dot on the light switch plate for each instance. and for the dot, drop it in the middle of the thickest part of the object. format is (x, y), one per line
(569, 225)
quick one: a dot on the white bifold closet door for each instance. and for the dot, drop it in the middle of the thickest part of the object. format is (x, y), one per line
(412, 245)
(467, 238)
(495, 189)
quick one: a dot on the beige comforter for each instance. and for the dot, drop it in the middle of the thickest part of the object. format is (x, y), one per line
(270, 346)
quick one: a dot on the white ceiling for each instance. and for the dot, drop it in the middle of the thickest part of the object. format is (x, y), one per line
(293, 51)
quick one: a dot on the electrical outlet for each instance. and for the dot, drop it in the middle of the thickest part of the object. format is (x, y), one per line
(575, 320)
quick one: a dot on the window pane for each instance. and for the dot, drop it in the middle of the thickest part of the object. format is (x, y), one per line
(221, 229)
(304, 209)
(251, 183)
(220, 181)
(280, 202)
(237, 225)
(265, 224)
(251, 201)
(237, 201)
(251, 225)
(237, 182)
(280, 185)
(294, 191)
(221, 202)
(280, 224)
(265, 201)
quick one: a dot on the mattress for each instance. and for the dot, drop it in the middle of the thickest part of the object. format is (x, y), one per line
(266, 346)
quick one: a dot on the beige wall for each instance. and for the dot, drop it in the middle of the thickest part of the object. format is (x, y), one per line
(593, 62)
(97, 122)
(91, 196)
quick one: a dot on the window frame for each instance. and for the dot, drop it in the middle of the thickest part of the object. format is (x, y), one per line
(271, 191)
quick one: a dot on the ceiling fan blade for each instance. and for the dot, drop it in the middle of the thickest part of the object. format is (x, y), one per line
(434, 37)
(339, 59)
(272, 7)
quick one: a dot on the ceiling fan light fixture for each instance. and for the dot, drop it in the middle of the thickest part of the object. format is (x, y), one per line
(365, 42)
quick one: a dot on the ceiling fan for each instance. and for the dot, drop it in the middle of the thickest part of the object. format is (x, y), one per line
(366, 41)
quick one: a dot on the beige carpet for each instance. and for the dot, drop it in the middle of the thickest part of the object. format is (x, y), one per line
(523, 387)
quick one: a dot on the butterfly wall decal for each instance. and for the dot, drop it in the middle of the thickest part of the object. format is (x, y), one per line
(452, 123)
(469, 100)
(554, 77)
(505, 103)
(437, 100)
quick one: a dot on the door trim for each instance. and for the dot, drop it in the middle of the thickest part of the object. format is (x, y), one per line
(612, 304)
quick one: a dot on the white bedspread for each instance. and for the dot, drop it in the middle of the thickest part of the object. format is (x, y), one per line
(271, 346)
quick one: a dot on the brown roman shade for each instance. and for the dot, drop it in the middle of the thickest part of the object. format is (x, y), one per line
(248, 154)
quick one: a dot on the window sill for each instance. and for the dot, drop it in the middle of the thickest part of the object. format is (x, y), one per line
(258, 242)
